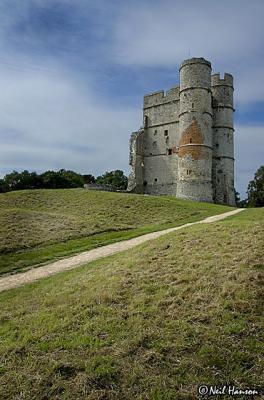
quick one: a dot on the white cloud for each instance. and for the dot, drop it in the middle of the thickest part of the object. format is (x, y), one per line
(47, 121)
(164, 33)
(54, 112)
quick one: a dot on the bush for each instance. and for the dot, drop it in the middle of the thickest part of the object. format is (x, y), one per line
(61, 179)
(256, 189)
(48, 180)
(116, 179)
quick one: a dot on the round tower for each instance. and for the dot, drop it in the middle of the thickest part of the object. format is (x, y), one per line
(195, 126)
(223, 142)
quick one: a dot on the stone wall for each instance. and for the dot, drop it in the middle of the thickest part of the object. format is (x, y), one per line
(136, 161)
(97, 186)
(195, 125)
(160, 142)
(223, 139)
(185, 147)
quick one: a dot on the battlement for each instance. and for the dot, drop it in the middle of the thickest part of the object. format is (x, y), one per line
(186, 145)
(217, 81)
(195, 61)
(157, 98)
(173, 93)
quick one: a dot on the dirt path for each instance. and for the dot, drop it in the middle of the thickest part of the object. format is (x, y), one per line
(12, 281)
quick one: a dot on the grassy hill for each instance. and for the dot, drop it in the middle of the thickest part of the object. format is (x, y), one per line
(149, 323)
(41, 225)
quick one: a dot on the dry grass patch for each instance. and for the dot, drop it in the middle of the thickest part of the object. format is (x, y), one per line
(149, 323)
(40, 225)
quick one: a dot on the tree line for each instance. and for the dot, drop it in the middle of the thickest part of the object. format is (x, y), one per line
(61, 179)
(64, 179)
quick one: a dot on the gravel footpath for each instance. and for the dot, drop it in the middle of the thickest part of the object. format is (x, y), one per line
(12, 281)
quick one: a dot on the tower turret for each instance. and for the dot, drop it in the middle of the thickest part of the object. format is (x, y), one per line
(195, 127)
(223, 142)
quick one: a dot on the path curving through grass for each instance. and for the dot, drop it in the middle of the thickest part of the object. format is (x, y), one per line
(12, 281)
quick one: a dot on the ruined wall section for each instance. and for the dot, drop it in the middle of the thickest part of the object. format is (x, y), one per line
(161, 140)
(223, 139)
(136, 162)
(186, 145)
(195, 127)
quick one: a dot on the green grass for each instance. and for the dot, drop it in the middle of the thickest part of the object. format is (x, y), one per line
(43, 225)
(149, 323)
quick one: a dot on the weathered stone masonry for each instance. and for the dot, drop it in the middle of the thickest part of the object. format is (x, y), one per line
(186, 145)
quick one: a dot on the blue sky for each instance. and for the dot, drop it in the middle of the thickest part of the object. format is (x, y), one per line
(73, 75)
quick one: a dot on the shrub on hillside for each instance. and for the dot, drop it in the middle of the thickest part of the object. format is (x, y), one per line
(61, 179)
(22, 180)
(116, 179)
(48, 180)
(256, 189)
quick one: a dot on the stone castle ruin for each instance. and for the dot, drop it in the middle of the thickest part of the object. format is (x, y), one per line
(186, 146)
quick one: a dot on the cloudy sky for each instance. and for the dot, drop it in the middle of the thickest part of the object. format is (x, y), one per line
(73, 74)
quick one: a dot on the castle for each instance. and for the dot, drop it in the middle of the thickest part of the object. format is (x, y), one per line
(186, 147)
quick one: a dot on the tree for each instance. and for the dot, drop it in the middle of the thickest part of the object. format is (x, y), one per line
(22, 180)
(239, 202)
(255, 189)
(72, 179)
(116, 179)
(61, 179)
(237, 198)
(48, 180)
(88, 178)
(3, 187)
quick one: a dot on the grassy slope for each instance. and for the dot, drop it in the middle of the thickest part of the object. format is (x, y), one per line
(149, 323)
(37, 226)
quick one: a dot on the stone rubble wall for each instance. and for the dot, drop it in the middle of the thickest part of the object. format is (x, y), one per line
(186, 145)
(223, 139)
(195, 125)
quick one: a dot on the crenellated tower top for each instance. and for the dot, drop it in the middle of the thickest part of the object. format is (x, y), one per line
(195, 60)
(226, 81)
(186, 147)
(157, 98)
